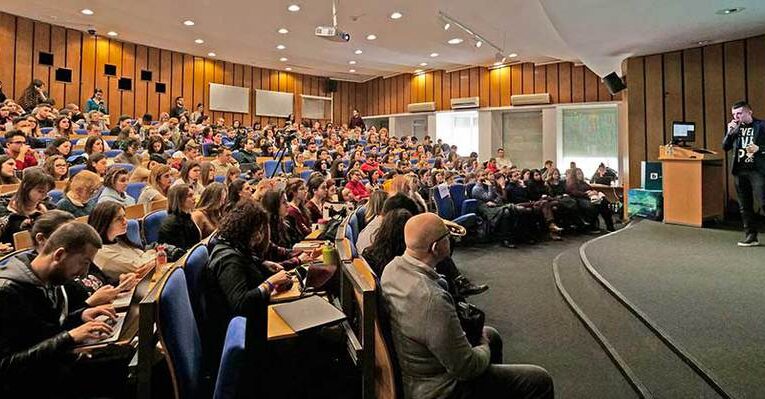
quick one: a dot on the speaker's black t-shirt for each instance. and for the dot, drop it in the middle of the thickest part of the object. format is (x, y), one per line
(742, 160)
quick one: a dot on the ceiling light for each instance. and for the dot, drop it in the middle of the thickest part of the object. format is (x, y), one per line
(447, 26)
(396, 15)
(288, 69)
(703, 42)
(371, 37)
(294, 8)
(423, 64)
(283, 31)
(211, 54)
(456, 40)
(728, 11)
(478, 44)
(352, 70)
(87, 11)
(512, 55)
(283, 59)
(498, 63)
(281, 47)
(433, 55)
(199, 41)
(418, 71)
(358, 52)
(111, 33)
(188, 22)
(352, 62)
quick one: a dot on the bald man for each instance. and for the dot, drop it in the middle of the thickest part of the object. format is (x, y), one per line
(434, 355)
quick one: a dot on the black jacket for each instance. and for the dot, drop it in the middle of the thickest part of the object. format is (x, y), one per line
(535, 189)
(515, 193)
(731, 141)
(178, 229)
(35, 347)
(230, 282)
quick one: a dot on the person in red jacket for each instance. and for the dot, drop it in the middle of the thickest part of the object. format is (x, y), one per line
(370, 164)
(16, 147)
(355, 189)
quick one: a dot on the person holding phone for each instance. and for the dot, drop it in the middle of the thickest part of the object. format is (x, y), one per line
(746, 137)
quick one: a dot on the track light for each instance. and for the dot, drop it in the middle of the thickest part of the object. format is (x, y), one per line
(499, 59)
(447, 26)
(478, 44)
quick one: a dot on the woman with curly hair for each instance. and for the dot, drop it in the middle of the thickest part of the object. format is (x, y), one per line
(388, 241)
(57, 167)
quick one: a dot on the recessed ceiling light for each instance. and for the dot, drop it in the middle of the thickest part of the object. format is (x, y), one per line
(358, 51)
(294, 8)
(433, 55)
(287, 69)
(512, 55)
(417, 70)
(283, 31)
(189, 22)
(283, 59)
(111, 33)
(728, 11)
(456, 40)
(423, 64)
(352, 70)
(447, 26)
(478, 44)
(396, 15)
(199, 41)
(371, 37)
(87, 11)
(352, 62)
(211, 54)
(281, 47)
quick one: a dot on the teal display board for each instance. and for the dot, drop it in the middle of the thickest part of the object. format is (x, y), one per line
(590, 133)
(645, 204)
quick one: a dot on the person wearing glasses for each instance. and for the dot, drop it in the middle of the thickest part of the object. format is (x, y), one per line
(57, 167)
(17, 148)
(434, 355)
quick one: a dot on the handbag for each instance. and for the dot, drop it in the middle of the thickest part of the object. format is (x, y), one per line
(472, 320)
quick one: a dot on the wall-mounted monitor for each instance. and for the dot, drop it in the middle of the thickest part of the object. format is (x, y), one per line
(146, 75)
(110, 70)
(44, 58)
(160, 87)
(64, 75)
(125, 84)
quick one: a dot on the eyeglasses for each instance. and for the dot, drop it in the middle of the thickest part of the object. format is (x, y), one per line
(446, 234)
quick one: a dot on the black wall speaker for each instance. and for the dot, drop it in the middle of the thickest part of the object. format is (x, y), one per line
(330, 86)
(614, 83)
(125, 84)
(160, 87)
(64, 75)
(110, 70)
(44, 58)
(146, 75)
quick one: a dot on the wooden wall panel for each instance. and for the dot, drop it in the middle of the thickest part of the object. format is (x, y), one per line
(552, 82)
(166, 74)
(673, 92)
(564, 82)
(152, 97)
(511, 82)
(577, 84)
(715, 108)
(127, 97)
(485, 90)
(590, 86)
(495, 92)
(755, 68)
(693, 92)
(141, 87)
(7, 52)
(199, 85)
(177, 84)
(475, 81)
(113, 100)
(58, 48)
(437, 94)
(87, 69)
(73, 53)
(654, 98)
(540, 79)
(23, 66)
(100, 80)
(735, 87)
(528, 78)
(636, 116)
(247, 82)
(41, 43)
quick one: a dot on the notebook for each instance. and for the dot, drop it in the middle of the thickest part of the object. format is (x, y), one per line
(116, 326)
(307, 313)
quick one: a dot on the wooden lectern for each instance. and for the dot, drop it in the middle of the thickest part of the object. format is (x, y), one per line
(692, 184)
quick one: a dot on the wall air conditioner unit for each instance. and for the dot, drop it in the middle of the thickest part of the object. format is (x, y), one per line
(465, 102)
(530, 99)
(421, 107)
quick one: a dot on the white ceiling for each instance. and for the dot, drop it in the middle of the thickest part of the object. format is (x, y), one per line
(601, 33)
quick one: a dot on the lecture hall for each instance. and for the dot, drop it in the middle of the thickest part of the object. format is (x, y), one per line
(382, 199)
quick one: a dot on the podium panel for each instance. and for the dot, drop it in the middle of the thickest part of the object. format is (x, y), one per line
(692, 185)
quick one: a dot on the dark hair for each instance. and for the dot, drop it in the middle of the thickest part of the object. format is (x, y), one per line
(101, 218)
(92, 160)
(147, 117)
(246, 225)
(96, 91)
(234, 190)
(13, 133)
(150, 146)
(389, 240)
(272, 201)
(9, 179)
(72, 237)
(53, 147)
(314, 182)
(186, 168)
(49, 222)
(89, 144)
(741, 104)
(176, 196)
(400, 201)
(33, 177)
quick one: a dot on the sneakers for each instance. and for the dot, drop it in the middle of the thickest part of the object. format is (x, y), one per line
(509, 244)
(750, 241)
(466, 288)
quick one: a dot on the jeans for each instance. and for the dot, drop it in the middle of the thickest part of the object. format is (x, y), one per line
(749, 184)
(506, 380)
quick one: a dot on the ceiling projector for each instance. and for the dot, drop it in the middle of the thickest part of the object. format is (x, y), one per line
(332, 33)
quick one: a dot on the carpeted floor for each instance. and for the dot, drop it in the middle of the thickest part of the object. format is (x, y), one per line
(706, 292)
(536, 325)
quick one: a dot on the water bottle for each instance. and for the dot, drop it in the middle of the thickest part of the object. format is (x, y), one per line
(161, 260)
(329, 254)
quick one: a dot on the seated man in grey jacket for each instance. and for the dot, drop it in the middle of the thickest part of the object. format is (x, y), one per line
(434, 355)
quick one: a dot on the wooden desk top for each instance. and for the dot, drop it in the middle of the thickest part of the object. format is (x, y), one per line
(277, 327)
